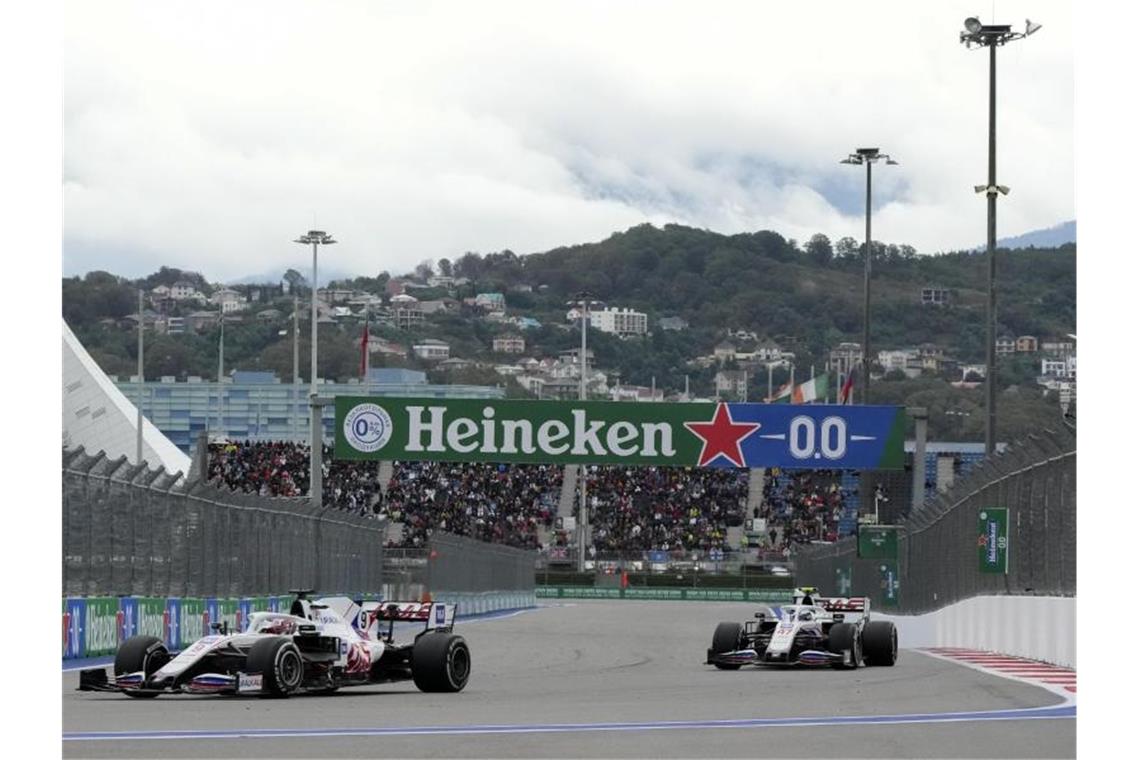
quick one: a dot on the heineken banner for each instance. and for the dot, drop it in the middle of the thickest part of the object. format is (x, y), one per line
(889, 584)
(878, 542)
(603, 432)
(993, 540)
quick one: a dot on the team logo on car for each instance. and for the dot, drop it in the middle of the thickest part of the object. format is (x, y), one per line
(367, 427)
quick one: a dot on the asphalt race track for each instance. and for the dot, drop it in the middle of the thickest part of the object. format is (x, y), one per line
(601, 679)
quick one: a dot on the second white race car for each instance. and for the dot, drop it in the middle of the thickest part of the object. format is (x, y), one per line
(813, 630)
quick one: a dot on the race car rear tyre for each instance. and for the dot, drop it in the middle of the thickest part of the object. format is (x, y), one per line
(844, 636)
(145, 653)
(441, 662)
(726, 638)
(880, 643)
(280, 664)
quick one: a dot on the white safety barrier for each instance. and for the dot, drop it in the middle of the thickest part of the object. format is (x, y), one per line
(1038, 627)
(481, 602)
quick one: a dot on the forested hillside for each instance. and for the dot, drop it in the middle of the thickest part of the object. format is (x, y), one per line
(807, 297)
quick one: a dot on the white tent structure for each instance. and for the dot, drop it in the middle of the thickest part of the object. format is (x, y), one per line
(98, 417)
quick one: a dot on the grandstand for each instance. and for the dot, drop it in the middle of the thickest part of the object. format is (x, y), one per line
(633, 509)
(946, 461)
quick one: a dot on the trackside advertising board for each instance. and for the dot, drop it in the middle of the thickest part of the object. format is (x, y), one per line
(605, 432)
(993, 540)
(878, 542)
(96, 625)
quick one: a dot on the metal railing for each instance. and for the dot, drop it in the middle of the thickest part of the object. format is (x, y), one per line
(938, 546)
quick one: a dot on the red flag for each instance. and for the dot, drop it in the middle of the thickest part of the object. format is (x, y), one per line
(848, 384)
(364, 351)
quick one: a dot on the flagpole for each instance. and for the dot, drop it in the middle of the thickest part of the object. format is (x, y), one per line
(367, 356)
(769, 399)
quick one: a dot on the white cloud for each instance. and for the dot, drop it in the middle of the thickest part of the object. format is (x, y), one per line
(208, 134)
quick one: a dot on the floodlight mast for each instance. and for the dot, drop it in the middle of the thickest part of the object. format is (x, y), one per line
(867, 156)
(315, 238)
(992, 36)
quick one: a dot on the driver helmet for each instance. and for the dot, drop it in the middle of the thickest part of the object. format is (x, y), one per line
(806, 615)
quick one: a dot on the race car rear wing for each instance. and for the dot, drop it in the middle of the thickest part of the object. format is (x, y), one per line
(842, 605)
(434, 615)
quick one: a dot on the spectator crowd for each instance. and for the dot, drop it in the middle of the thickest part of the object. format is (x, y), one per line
(492, 502)
(505, 504)
(663, 508)
(801, 506)
(632, 509)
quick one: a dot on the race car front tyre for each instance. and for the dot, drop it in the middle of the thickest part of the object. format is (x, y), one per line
(145, 653)
(843, 637)
(279, 662)
(726, 638)
(441, 662)
(880, 643)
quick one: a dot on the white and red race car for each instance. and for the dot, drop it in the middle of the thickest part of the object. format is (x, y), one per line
(813, 630)
(318, 647)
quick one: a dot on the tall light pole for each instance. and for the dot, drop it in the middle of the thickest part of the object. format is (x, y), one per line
(867, 156)
(221, 368)
(992, 36)
(142, 388)
(583, 301)
(315, 238)
(296, 368)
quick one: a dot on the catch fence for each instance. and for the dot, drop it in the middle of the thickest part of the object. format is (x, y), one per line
(938, 546)
(130, 530)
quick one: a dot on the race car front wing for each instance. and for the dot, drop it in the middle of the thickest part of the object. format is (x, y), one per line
(752, 657)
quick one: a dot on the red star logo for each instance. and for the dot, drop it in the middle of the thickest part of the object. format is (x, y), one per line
(722, 436)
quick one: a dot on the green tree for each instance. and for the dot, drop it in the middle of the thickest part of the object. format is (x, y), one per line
(819, 249)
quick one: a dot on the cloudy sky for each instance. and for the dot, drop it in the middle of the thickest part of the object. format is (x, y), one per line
(207, 135)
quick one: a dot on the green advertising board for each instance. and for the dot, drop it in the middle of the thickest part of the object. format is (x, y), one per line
(603, 432)
(102, 625)
(193, 624)
(993, 540)
(228, 613)
(152, 617)
(889, 585)
(878, 542)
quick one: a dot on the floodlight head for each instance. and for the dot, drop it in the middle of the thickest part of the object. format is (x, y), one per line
(973, 26)
(868, 152)
(979, 188)
(1003, 189)
(1030, 27)
(850, 160)
(891, 162)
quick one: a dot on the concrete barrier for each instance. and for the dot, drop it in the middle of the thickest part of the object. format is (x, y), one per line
(1038, 627)
(469, 603)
